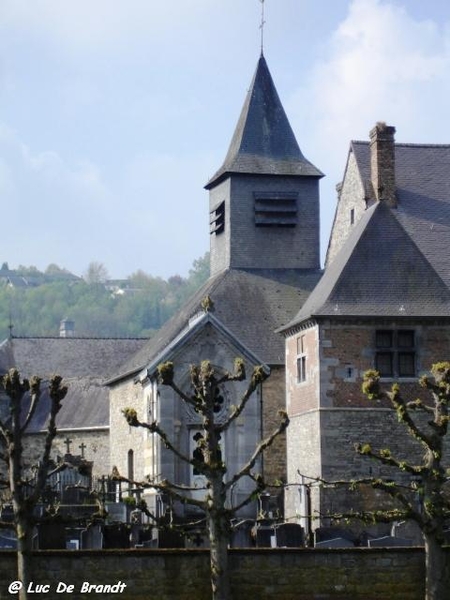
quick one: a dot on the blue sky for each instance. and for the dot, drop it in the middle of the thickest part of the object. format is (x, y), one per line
(115, 113)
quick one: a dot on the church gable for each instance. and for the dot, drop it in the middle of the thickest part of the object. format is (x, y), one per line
(352, 202)
(205, 338)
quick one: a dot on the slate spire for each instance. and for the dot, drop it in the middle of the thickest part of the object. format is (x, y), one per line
(263, 142)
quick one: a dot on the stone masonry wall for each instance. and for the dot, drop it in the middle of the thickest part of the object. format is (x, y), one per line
(263, 574)
(347, 417)
(321, 438)
(351, 198)
(273, 401)
(124, 438)
(96, 442)
(302, 395)
(348, 350)
(304, 457)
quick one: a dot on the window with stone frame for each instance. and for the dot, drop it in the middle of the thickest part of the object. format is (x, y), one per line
(395, 354)
(301, 359)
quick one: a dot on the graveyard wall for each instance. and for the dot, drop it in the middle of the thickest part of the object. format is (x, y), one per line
(285, 574)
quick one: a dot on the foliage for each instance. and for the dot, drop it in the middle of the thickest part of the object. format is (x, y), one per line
(426, 499)
(134, 307)
(421, 493)
(96, 273)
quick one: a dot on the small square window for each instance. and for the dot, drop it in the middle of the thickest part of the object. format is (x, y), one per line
(395, 355)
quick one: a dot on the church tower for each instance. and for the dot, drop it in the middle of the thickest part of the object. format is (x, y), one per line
(264, 199)
(264, 224)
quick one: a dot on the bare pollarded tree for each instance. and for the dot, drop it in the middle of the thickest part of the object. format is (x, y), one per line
(209, 461)
(424, 495)
(23, 484)
(427, 498)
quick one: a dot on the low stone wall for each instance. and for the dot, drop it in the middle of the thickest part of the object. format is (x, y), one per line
(257, 574)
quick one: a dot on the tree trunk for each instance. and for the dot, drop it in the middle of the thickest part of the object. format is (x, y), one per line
(218, 541)
(24, 547)
(436, 571)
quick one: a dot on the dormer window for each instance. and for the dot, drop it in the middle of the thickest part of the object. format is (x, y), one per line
(217, 219)
(275, 209)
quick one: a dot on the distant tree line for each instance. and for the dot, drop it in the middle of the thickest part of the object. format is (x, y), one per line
(100, 307)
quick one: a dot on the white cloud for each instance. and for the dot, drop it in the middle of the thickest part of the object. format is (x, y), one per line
(110, 27)
(123, 109)
(381, 64)
(53, 207)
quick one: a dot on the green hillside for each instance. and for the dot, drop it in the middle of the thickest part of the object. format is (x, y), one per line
(34, 303)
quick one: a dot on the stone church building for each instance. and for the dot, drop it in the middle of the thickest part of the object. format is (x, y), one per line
(264, 252)
(381, 302)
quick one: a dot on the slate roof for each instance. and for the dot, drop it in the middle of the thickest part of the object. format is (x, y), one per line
(396, 261)
(83, 363)
(251, 304)
(263, 142)
(422, 173)
(203, 320)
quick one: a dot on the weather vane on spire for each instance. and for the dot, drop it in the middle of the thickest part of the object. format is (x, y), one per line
(262, 26)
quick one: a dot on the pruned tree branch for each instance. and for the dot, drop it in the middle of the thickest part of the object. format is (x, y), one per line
(263, 445)
(35, 393)
(258, 376)
(57, 393)
(131, 417)
(384, 456)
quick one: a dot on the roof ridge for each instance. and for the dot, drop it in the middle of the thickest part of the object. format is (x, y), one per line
(405, 144)
(58, 337)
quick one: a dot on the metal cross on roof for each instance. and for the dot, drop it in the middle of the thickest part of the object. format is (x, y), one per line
(67, 442)
(262, 26)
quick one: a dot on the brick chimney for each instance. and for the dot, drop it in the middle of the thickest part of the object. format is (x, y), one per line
(382, 163)
(67, 328)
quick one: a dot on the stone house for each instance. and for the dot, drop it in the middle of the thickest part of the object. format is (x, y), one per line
(264, 253)
(383, 303)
